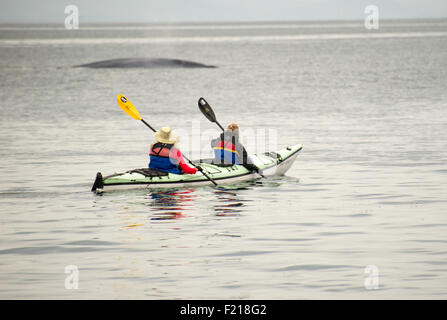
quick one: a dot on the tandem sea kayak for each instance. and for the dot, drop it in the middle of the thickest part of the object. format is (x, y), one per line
(270, 163)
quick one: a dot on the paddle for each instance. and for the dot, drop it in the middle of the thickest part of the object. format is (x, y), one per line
(129, 108)
(208, 112)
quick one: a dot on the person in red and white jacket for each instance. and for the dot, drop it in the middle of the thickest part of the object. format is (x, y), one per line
(164, 155)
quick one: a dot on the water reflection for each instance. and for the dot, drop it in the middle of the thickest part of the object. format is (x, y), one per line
(170, 204)
(225, 200)
(228, 203)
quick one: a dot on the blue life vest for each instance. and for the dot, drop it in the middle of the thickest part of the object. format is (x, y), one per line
(225, 152)
(160, 159)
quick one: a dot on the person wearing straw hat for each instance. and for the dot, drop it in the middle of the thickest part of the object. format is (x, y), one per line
(164, 155)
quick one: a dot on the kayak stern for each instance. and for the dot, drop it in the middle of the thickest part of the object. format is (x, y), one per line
(99, 182)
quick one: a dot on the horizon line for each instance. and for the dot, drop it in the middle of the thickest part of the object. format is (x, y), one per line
(310, 20)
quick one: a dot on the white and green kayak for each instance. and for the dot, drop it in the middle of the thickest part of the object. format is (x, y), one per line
(271, 164)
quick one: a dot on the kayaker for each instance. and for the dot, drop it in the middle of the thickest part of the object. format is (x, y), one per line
(228, 149)
(164, 155)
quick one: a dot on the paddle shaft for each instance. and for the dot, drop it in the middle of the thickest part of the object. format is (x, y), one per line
(147, 124)
(207, 176)
(220, 126)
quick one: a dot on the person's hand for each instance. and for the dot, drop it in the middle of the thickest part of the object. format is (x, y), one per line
(199, 168)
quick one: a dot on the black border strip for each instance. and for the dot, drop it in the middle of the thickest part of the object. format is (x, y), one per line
(223, 309)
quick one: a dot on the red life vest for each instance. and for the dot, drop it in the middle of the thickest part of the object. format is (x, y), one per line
(161, 159)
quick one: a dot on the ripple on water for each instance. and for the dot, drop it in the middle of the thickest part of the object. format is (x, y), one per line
(49, 250)
(312, 267)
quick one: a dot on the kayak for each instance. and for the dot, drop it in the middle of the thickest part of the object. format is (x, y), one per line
(270, 164)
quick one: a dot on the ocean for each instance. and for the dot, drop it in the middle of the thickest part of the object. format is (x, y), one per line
(360, 215)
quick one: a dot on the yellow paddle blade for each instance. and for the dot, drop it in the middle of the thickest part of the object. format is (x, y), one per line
(128, 107)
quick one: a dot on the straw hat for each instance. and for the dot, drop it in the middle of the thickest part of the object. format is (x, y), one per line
(165, 135)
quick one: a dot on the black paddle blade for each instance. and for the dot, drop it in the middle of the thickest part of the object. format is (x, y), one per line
(206, 110)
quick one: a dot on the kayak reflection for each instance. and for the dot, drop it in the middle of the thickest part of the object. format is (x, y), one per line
(228, 203)
(170, 204)
(229, 197)
(229, 200)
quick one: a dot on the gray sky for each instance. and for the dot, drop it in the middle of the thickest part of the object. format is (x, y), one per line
(52, 11)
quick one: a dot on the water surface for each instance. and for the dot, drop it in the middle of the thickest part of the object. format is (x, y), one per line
(367, 189)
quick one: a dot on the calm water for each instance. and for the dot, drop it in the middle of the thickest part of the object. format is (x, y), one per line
(369, 187)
